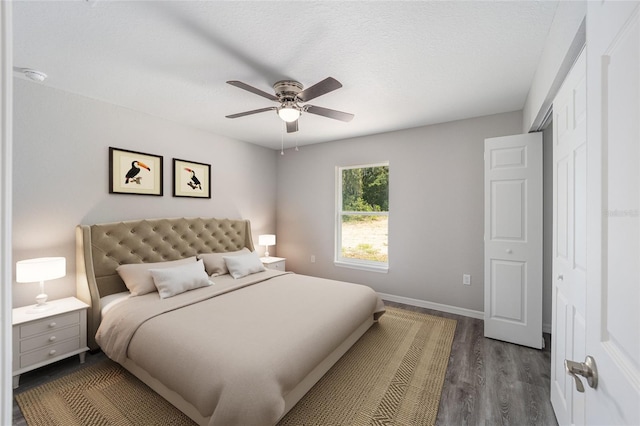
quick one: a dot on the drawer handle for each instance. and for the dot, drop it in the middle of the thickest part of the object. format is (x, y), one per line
(52, 352)
(53, 324)
(52, 338)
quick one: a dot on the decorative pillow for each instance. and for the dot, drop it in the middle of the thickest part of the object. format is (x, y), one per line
(176, 280)
(244, 264)
(137, 278)
(214, 262)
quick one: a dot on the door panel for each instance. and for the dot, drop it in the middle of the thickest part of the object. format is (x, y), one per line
(508, 199)
(513, 239)
(621, 192)
(613, 214)
(562, 208)
(580, 214)
(569, 236)
(508, 284)
(508, 157)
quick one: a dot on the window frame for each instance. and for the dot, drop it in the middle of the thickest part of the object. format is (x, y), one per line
(367, 265)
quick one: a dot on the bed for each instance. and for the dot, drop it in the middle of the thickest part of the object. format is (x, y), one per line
(240, 349)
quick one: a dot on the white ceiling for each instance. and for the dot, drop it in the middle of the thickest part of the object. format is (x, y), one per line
(402, 64)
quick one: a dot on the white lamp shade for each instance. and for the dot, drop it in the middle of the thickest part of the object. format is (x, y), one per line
(267, 240)
(40, 269)
(288, 114)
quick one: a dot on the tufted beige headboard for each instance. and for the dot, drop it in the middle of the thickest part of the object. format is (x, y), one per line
(101, 248)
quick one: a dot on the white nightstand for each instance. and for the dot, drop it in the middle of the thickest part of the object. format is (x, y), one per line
(274, 262)
(45, 337)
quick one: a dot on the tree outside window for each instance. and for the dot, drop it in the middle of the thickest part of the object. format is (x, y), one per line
(362, 216)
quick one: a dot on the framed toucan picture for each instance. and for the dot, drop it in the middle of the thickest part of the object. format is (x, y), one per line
(191, 179)
(132, 172)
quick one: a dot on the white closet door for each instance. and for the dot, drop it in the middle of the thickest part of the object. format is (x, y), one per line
(569, 241)
(513, 239)
(613, 211)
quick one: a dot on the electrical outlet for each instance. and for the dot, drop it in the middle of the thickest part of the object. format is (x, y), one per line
(466, 279)
(313, 258)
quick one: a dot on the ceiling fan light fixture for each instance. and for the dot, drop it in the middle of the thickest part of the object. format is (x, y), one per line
(288, 94)
(288, 114)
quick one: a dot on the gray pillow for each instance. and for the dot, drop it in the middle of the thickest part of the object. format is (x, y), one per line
(214, 263)
(176, 280)
(244, 264)
(137, 278)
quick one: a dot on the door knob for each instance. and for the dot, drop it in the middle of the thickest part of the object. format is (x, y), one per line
(586, 369)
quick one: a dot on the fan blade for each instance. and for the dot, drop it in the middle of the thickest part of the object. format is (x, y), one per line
(327, 85)
(292, 126)
(255, 111)
(331, 113)
(252, 89)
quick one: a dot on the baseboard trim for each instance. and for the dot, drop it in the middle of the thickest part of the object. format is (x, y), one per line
(546, 328)
(432, 305)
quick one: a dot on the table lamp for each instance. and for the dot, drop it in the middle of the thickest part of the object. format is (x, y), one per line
(266, 240)
(39, 270)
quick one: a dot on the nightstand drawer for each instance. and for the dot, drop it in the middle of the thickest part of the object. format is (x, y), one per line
(48, 324)
(49, 339)
(49, 352)
(277, 266)
(277, 263)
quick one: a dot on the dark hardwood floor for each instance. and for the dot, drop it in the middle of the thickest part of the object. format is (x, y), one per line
(488, 382)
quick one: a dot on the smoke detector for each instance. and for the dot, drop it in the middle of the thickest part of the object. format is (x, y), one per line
(33, 75)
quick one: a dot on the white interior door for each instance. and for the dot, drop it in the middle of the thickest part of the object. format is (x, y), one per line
(513, 239)
(613, 211)
(569, 241)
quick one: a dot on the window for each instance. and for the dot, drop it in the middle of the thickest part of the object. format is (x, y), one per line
(362, 216)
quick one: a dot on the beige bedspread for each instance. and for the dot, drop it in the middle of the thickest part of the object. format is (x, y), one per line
(234, 350)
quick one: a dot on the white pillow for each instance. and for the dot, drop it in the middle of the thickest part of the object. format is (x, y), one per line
(176, 280)
(214, 262)
(137, 278)
(244, 264)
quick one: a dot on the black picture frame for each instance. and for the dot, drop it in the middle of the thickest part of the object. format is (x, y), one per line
(133, 172)
(191, 179)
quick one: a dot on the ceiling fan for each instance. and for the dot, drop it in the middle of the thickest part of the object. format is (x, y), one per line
(289, 94)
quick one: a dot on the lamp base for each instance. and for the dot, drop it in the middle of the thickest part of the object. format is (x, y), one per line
(41, 302)
(36, 309)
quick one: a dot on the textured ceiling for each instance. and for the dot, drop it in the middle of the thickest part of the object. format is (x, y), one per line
(402, 64)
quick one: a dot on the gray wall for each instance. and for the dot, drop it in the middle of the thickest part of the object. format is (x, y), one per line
(60, 175)
(436, 208)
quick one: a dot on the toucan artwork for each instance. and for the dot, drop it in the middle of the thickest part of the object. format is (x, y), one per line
(132, 174)
(194, 183)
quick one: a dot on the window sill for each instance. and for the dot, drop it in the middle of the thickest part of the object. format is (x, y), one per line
(363, 267)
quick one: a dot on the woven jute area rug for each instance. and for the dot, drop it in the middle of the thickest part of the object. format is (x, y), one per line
(393, 376)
